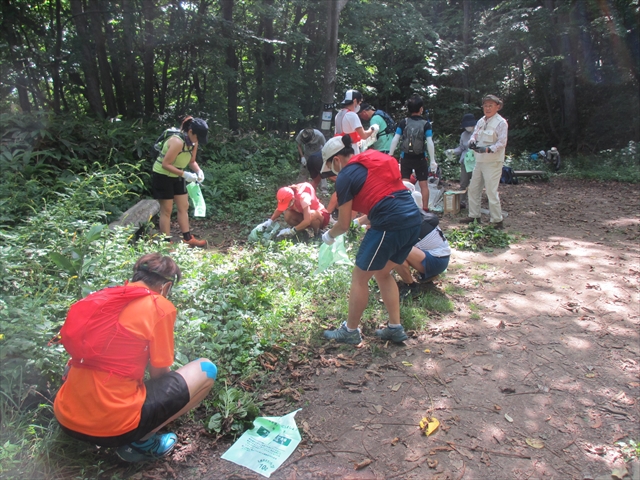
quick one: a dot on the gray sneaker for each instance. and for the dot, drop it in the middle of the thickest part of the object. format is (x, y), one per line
(394, 334)
(342, 335)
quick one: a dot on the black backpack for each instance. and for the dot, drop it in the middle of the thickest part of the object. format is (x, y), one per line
(391, 123)
(156, 149)
(413, 136)
(508, 177)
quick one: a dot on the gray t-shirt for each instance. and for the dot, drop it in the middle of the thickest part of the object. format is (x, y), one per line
(315, 145)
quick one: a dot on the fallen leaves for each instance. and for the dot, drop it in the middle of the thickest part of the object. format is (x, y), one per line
(429, 425)
(535, 443)
(362, 464)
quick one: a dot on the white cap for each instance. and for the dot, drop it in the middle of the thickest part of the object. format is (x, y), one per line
(333, 146)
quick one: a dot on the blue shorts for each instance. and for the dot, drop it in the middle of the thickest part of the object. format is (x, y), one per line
(380, 246)
(433, 265)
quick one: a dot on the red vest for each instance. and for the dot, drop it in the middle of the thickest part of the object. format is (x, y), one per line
(382, 180)
(95, 339)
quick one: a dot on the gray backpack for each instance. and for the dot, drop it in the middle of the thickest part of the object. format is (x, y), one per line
(413, 136)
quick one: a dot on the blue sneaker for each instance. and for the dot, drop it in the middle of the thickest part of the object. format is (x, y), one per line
(394, 334)
(157, 446)
(342, 335)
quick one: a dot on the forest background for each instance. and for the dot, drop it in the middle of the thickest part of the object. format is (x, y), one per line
(257, 71)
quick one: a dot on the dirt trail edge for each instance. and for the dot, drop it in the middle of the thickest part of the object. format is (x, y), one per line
(534, 375)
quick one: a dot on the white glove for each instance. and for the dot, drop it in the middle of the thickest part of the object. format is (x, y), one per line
(303, 161)
(356, 222)
(190, 177)
(434, 166)
(327, 238)
(286, 232)
(263, 226)
(376, 128)
(200, 176)
(449, 151)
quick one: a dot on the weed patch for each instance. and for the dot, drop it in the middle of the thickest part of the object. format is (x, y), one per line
(478, 237)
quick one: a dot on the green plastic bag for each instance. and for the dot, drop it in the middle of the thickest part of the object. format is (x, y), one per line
(264, 237)
(195, 194)
(267, 445)
(469, 161)
(335, 253)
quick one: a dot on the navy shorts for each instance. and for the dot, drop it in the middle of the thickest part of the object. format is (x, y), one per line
(166, 396)
(433, 265)
(164, 187)
(409, 163)
(380, 246)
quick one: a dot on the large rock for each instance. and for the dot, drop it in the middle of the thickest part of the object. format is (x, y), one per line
(138, 215)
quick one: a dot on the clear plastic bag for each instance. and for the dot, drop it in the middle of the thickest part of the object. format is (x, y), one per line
(336, 253)
(436, 196)
(195, 194)
(264, 236)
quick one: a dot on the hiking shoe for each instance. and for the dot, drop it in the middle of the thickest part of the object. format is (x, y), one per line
(498, 225)
(158, 446)
(394, 334)
(409, 290)
(193, 242)
(470, 220)
(342, 335)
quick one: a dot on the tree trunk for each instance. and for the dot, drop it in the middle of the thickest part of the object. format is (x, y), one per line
(57, 54)
(130, 81)
(466, 40)
(94, 8)
(231, 60)
(570, 108)
(87, 62)
(116, 71)
(331, 59)
(150, 13)
(269, 61)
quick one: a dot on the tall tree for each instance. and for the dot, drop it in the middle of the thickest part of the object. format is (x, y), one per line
(334, 7)
(231, 61)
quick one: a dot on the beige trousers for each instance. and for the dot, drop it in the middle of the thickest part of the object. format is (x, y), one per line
(486, 175)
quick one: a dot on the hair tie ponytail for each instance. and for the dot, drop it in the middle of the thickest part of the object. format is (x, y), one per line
(346, 141)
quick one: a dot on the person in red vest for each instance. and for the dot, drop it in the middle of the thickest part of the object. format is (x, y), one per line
(104, 399)
(371, 183)
(301, 209)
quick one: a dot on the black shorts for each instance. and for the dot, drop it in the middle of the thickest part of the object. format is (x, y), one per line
(314, 164)
(166, 396)
(417, 163)
(164, 187)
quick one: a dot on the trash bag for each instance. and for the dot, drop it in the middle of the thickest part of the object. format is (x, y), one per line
(195, 194)
(436, 196)
(469, 161)
(265, 236)
(335, 253)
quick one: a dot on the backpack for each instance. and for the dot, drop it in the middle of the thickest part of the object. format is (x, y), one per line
(391, 124)
(508, 177)
(95, 339)
(156, 149)
(413, 136)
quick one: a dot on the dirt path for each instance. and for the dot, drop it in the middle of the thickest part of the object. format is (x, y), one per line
(534, 375)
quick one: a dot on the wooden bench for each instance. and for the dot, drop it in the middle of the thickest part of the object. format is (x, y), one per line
(541, 174)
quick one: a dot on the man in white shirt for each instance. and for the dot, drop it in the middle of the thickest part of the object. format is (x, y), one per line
(348, 122)
(488, 141)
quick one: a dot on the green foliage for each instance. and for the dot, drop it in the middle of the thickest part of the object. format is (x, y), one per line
(237, 410)
(630, 450)
(621, 165)
(478, 237)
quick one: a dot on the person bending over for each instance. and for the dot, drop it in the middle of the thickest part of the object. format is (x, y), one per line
(168, 183)
(370, 183)
(301, 209)
(114, 336)
(429, 256)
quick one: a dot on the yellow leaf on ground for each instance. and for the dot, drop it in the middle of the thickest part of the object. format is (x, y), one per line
(396, 387)
(407, 364)
(429, 425)
(535, 442)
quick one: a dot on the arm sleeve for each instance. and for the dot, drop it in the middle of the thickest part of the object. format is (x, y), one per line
(161, 344)
(397, 137)
(502, 130)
